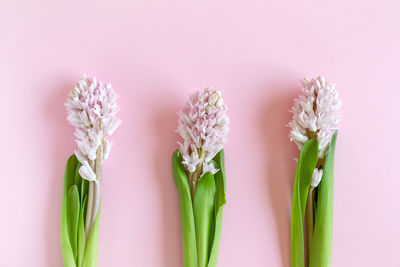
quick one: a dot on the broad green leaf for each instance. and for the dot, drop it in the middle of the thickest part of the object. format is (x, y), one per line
(305, 167)
(66, 249)
(186, 210)
(90, 257)
(73, 211)
(321, 248)
(203, 204)
(220, 201)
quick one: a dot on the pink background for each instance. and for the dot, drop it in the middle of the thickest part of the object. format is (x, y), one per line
(155, 53)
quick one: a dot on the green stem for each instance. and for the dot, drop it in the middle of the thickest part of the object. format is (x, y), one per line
(93, 202)
(194, 177)
(310, 218)
(89, 209)
(97, 193)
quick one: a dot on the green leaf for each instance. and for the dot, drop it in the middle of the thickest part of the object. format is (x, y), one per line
(220, 200)
(78, 179)
(70, 171)
(81, 237)
(69, 176)
(84, 208)
(79, 182)
(84, 190)
(90, 257)
(216, 239)
(203, 203)
(321, 248)
(73, 211)
(305, 168)
(186, 211)
(220, 183)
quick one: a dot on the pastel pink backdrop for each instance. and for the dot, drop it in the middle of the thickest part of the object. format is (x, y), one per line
(155, 53)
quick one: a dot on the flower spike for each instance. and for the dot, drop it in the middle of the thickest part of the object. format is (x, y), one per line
(315, 114)
(203, 125)
(92, 109)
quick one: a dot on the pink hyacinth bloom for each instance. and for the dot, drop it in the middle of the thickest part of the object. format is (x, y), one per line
(203, 125)
(315, 114)
(92, 108)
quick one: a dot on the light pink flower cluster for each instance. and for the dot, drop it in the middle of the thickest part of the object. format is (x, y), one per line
(315, 114)
(92, 108)
(203, 125)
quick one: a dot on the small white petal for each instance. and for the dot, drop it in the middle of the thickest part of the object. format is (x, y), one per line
(107, 148)
(86, 172)
(209, 167)
(80, 156)
(316, 177)
(114, 125)
(213, 99)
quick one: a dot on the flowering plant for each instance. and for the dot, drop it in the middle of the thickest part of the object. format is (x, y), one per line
(198, 169)
(314, 130)
(91, 108)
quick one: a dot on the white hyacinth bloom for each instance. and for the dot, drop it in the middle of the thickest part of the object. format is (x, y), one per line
(315, 114)
(92, 108)
(203, 125)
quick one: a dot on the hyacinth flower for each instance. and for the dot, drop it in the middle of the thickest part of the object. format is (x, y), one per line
(199, 173)
(91, 108)
(314, 130)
